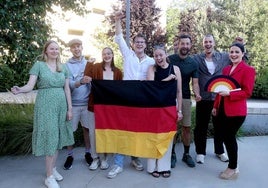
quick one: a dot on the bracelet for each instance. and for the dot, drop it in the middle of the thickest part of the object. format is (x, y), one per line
(180, 111)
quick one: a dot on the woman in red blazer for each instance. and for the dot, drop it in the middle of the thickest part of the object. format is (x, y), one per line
(230, 107)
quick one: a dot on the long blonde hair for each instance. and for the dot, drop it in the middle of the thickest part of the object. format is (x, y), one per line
(43, 56)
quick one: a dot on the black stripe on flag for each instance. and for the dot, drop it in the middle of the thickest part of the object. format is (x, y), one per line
(135, 93)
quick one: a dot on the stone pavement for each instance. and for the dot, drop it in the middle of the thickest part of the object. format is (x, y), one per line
(29, 171)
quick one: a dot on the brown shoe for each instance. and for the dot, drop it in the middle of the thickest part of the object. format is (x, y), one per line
(229, 174)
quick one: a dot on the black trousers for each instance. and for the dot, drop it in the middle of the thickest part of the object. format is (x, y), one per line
(203, 116)
(228, 128)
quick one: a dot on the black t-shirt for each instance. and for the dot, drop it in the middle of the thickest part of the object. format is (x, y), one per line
(161, 73)
(188, 68)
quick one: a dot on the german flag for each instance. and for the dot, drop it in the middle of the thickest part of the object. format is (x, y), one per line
(136, 118)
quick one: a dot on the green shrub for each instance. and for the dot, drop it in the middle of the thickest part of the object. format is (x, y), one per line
(261, 84)
(16, 126)
(178, 136)
(6, 77)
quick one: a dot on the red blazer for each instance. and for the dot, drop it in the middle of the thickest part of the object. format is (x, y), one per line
(236, 103)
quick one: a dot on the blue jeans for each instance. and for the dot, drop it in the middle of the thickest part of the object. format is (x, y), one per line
(119, 159)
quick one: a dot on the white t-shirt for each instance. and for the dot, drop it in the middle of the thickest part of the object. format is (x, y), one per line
(210, 66)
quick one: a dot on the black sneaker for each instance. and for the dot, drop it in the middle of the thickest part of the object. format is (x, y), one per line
(173, 160)
(68, 163)
(188, 160)
(88, 158)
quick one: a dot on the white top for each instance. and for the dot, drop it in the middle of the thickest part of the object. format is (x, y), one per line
(133, 69)
(108, 75)
(211, 67)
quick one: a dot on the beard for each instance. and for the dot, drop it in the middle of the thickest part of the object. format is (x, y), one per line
(208, 50)
(184, 51)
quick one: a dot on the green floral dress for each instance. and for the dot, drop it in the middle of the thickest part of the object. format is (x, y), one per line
(51, 130)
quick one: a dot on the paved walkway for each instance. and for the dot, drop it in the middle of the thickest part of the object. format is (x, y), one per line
(28, 171)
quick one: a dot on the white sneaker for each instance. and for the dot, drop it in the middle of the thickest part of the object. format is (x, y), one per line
(50, 182)
(95, 164)
(57, 175)
(200, 158)
(137, 164)
(223, 157)
(114, 171)
(104, 165)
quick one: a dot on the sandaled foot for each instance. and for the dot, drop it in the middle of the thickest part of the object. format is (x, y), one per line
(155, 174)
(166, 174)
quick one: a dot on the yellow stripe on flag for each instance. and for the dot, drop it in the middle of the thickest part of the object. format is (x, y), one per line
(145, 145)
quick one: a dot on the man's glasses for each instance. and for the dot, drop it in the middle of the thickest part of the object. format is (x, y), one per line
(139, 42)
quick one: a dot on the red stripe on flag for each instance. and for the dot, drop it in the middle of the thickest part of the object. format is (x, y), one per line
(136, 119)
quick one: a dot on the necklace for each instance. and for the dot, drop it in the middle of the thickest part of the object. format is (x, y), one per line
(142, 57)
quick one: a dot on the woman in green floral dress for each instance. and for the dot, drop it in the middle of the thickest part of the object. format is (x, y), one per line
(52, 128)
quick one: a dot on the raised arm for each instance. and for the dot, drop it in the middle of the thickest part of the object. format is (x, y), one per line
(118, 27)
(119, 39)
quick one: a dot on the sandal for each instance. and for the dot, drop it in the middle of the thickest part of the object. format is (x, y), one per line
(155, 174)
(166, 174)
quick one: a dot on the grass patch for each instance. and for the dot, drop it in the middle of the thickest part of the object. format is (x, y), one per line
(15, 128)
